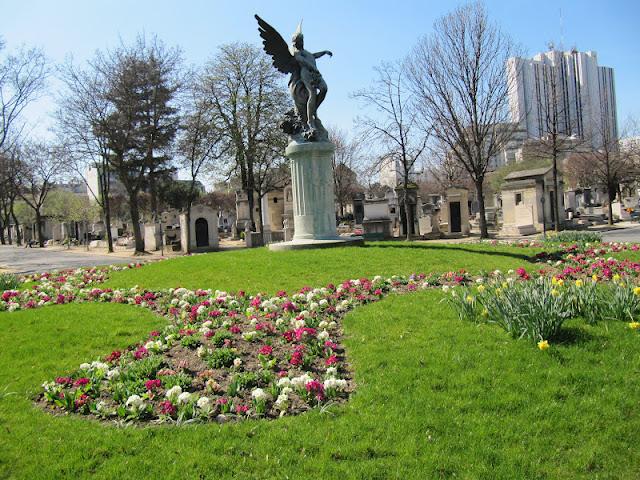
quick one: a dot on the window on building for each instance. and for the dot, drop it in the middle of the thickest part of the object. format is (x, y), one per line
(275, 199)
(518, 198)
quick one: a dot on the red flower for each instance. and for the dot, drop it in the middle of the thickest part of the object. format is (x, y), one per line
(64, 380)
(242, 409)
(81, 401)
(113, 356)
(234, 329)
(81, 382)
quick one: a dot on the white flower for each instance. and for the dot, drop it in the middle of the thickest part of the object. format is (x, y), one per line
(100, 366)
(113, 374)
(85, 366)
(335, 384)
(184, 397)
(259, 395)
(301, 381)
(204, 404)
(135, 403)
(282, 402)
(173, 392)
(445, 288)
(237, 362)
(323, 335)
(286, 391)
(332, 372)
(101, 406)
(284, 382)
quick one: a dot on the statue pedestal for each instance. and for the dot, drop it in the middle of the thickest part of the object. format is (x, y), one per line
(314, 215)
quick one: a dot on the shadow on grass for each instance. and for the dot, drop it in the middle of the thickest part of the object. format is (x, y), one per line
(459, 247)
(573, 336)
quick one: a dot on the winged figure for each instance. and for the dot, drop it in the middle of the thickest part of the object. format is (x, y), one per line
(306, 85)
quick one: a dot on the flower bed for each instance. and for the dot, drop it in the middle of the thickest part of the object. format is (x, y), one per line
(229, 356)
(225, 356)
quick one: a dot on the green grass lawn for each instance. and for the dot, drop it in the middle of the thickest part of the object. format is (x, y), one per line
(262, 270)
(436, 397)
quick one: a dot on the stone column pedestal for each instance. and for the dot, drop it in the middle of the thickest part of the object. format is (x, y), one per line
(313, 198)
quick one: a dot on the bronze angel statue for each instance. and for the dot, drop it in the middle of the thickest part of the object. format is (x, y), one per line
(308, 88)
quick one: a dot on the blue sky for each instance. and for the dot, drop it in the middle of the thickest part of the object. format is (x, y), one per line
(361, 34)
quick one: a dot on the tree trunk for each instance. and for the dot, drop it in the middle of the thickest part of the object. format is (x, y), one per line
(260, 223)
(17, 225)
(610, 194)
(2, 239)
(250, 200)
(187, 248)
(39, 229)
(408, 217)
(135, 220)
(555, 206)
(484, 232)
(69, 236)
(106, 205)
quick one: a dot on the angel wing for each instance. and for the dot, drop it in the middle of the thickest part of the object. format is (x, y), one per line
(275, 46)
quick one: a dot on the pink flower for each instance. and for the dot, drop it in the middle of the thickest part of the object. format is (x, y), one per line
(81, 382)
(315, 388)
(222, 401)
(242, 409)
(167, 408)
(235, 329)
(64, 380)
(266, 350)
(140, 353)
(331, 360)
(151, 384)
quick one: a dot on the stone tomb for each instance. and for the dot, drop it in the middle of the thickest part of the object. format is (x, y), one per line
(203, 229)
(454, 213)
(522, 205)
(376, 221)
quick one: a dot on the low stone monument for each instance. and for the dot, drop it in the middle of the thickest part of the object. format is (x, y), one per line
(309, 150)
(152, 236)
(203, 229)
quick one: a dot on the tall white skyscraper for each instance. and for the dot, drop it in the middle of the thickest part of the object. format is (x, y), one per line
(585, 99)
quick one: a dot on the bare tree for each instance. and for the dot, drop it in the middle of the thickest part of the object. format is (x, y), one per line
(22, 79)
(40, 166)
(82, 124)
(394, 125)
(271, 170)
(247, 101)
(457, 74)
(346, 166)
(199, 146)
(609, 166)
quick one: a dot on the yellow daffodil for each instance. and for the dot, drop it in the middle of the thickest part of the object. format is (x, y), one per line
(594, 277)
(485, 313)
(636, 291)
(616, 278)
(554, 280)
(505, 285)
(469, 299)
(543, 345)
(498, 291)
(579, 283)
(481, 288)
(634, 325)
(554, 292)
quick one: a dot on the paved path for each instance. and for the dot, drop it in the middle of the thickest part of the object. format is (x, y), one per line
(37, 260)
(628, 234)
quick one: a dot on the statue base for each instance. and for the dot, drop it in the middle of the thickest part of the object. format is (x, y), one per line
(309, 244)
(314, 216)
